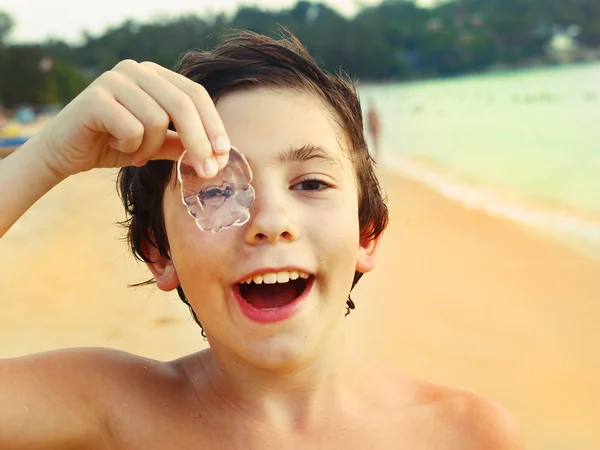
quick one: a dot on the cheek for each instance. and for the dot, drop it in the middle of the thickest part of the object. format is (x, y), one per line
(190, 248)
(195, 253)
(200, 265)
(336, 235)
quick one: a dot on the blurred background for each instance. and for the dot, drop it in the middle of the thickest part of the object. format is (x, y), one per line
(484, 117)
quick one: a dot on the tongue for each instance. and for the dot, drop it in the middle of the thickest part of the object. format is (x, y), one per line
(266, 296)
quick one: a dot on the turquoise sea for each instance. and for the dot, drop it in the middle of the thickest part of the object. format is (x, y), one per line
(523, 145)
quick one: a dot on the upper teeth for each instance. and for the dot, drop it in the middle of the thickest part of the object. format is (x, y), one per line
(276, 277)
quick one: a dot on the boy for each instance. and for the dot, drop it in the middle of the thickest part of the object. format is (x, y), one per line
(271, 295)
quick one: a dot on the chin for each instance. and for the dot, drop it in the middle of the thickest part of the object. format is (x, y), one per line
(281, 351)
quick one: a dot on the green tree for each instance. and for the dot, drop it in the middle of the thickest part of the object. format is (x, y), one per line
(23, 81)
(395, 39)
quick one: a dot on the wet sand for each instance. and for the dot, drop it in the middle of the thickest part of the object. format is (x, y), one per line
(458, 297)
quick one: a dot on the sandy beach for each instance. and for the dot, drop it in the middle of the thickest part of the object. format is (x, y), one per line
(458, 297)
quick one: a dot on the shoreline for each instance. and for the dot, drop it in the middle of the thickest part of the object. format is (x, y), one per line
(577, 229)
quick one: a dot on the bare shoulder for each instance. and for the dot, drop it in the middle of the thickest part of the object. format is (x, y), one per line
(63, 398)
(467, 421)
(428, 415)
(83, 368)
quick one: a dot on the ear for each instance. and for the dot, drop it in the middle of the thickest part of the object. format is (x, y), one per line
(162, 268)
(366, 254)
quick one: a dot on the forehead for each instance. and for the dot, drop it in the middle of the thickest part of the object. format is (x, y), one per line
(264, 120)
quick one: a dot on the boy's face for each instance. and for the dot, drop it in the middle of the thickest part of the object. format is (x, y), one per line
(304, 219)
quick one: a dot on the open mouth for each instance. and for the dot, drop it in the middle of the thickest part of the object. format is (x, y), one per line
(270, 295)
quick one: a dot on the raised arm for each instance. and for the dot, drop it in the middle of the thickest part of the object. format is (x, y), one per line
(24, 179)
(121, 119)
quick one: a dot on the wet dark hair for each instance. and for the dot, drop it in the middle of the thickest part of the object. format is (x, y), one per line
(246, 60)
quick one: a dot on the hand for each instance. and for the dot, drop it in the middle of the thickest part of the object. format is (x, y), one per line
(122, 119)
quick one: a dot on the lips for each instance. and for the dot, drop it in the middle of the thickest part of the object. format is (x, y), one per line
(272, 301)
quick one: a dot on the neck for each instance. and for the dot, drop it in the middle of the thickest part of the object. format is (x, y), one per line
(291, 398)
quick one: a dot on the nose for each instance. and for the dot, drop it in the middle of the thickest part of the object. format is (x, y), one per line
(272, 218)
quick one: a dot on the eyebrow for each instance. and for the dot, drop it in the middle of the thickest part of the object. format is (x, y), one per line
(306, 153)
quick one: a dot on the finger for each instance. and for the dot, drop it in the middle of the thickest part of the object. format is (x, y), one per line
(172, 149)
(154, 118)
(124, 129)
(213, 125)
(184, 115)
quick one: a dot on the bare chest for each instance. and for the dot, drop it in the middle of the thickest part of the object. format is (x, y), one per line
(200, 429)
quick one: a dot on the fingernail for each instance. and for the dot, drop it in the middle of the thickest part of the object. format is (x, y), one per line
(210, 168)
(222, 145)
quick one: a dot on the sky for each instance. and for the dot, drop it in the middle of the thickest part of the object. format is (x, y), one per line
(37, 20)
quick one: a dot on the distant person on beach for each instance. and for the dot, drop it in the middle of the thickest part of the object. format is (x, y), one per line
(374, 126)
(270, 295)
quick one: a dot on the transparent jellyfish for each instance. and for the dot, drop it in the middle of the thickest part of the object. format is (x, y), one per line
(221, 202)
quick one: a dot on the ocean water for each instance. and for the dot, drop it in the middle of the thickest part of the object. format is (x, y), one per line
(523, 145)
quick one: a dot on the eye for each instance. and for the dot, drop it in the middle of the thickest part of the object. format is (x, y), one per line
(312, 184)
